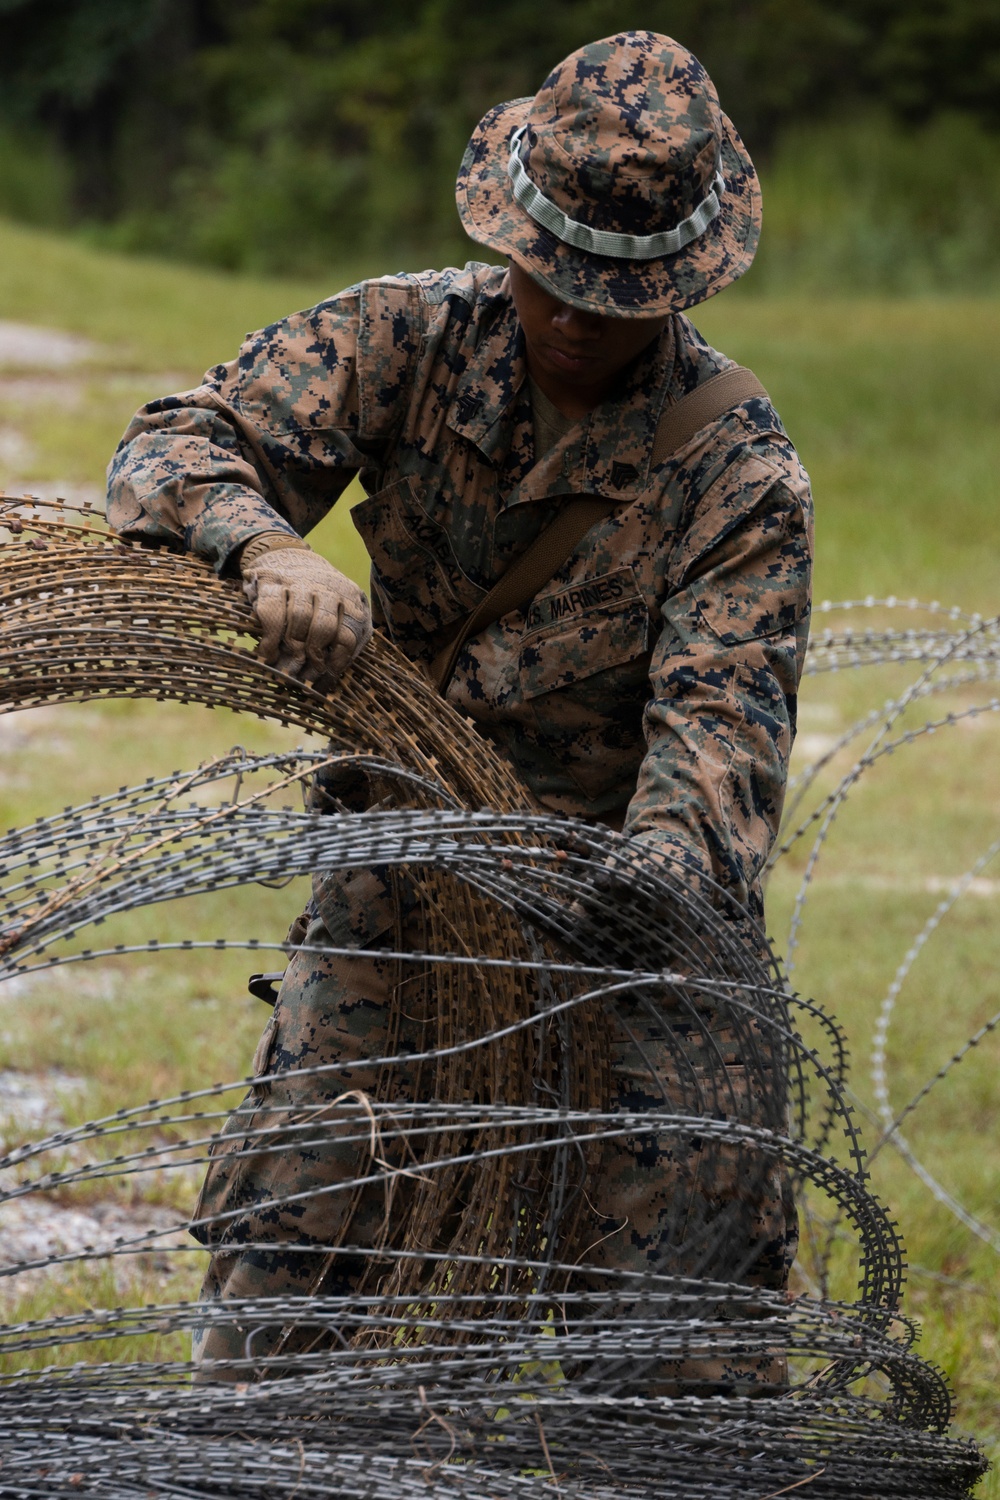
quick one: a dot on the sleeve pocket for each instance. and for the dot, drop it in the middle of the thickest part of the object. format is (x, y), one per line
(732, 619)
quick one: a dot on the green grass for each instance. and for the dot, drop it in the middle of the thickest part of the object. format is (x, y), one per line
(924, 814)
(891, 403)
(893, 407)
(152, 315)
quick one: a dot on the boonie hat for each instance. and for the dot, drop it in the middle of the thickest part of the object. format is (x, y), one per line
(621, 187)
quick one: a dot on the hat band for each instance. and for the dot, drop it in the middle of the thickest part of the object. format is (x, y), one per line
(602, 241)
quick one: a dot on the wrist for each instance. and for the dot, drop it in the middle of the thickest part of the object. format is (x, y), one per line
(269, 541)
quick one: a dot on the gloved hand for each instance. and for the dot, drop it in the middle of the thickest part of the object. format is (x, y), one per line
(313, 619)
(592, 929)
(621, 920)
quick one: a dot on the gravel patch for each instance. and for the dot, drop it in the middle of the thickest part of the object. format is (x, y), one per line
(35, 1229)
(928, 885)
(23, 346)
(38, 1227)
(19, 727)
(15, 450)
(813, 747)
(31, 1102)
(76, 496)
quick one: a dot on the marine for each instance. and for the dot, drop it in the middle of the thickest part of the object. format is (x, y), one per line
(650, 683)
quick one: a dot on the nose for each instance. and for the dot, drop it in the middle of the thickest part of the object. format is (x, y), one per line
(575, 325)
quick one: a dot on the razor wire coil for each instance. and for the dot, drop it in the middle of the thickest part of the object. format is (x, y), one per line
(488, 1365)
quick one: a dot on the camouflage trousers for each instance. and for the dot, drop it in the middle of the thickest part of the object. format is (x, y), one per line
(283, 1177)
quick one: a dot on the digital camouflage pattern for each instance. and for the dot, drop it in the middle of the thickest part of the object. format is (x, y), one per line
(653, 678)
(624, 136)
(655, 675)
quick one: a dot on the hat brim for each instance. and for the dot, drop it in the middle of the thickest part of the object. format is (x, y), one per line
(600, 283)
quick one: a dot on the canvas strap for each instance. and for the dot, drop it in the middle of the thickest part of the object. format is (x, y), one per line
(707, 402)
(550, 549)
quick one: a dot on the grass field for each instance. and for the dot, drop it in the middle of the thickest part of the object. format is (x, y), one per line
(893, 406)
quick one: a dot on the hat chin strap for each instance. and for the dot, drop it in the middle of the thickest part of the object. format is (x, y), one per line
(602, 241)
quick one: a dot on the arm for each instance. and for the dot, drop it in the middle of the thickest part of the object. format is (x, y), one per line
(240, 469)
(725, 672)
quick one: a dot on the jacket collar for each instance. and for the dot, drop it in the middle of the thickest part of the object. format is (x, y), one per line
(606, 453)
(487, 390)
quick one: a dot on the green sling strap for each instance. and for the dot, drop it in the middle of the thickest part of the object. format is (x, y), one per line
(550, 549)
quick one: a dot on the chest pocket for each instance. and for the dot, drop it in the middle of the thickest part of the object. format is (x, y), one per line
(597, 624)
(584, 678)
(415, 573)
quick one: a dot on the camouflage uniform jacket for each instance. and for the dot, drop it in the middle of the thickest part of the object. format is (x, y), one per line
(658, 669)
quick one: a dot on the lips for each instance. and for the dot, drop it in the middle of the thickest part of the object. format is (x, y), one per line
(571, 359)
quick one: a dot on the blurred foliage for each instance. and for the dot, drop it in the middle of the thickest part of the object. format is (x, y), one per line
(866, 206)
(275, 135)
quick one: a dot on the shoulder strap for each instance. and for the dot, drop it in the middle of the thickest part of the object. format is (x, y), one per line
(550, 549)
(715, 396)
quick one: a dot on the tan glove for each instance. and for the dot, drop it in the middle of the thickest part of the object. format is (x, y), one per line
(313, 619)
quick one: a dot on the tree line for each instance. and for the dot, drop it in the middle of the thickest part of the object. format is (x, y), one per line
(274, 134)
